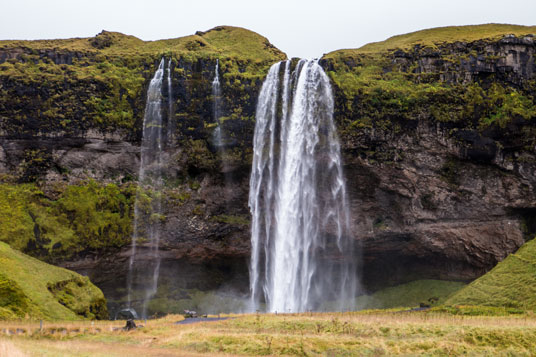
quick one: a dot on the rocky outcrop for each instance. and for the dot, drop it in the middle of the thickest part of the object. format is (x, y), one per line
(509, 59)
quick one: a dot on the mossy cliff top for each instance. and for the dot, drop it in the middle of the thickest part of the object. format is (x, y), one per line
(68, 87)
(439, 36)
(479, 78)
(219, 42)
(32, 289)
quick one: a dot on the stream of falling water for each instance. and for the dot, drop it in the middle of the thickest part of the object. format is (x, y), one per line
(302, 246)
(170, 122)
(216, 94)
(150, 177)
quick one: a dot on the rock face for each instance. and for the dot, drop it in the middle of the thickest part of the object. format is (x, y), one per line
(440, 196)
(433, 213)
(509, 59)
(431, 196)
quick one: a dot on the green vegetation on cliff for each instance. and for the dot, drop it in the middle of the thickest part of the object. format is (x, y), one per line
(32, 289)
(451, 75)
(70, 86)
(511, 284)
(86, 216)
(219, 42)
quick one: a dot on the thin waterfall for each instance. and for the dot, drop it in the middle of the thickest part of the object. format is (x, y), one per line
(150, 178)
(302, 249)
(216, 94)
(170, 122)
(219, 139)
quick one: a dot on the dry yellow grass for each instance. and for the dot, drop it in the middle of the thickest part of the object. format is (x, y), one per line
(316, 334)
(8, 349)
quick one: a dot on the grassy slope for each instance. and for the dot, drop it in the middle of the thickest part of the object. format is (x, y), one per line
(124, 56)
(439, 35)
(222, 40)
(512, 283)
(30, 288)
(410, 294)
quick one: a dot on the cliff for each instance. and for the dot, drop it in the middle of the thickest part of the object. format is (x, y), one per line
(437, 131)
(438, 134)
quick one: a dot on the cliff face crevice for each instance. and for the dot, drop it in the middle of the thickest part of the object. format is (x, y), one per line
(437, 142)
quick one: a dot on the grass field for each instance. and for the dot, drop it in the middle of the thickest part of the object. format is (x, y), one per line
(388, 332)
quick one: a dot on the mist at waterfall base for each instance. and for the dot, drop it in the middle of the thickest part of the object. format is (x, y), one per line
(303, 257)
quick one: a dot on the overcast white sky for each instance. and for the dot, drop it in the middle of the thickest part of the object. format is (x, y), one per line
(298, 27)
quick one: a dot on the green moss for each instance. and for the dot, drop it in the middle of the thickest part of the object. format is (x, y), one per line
(375, 94)
(35, 162)
(13, 301)
(500, 105)
(198, 210)
(200, 158)
(178, 196)
(413, 294)
(378, 90)
(99, 215)
(32, 289)
(87, 216)
(102, 83)
(77, 295)
(511, 284)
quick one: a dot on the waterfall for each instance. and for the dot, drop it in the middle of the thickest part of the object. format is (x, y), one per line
(170, 104)
(216, 94)
(302, 252)
(150, 177)
(219, 139)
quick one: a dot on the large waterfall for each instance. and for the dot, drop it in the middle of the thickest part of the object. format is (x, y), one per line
(301, 243)
(150, 178)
